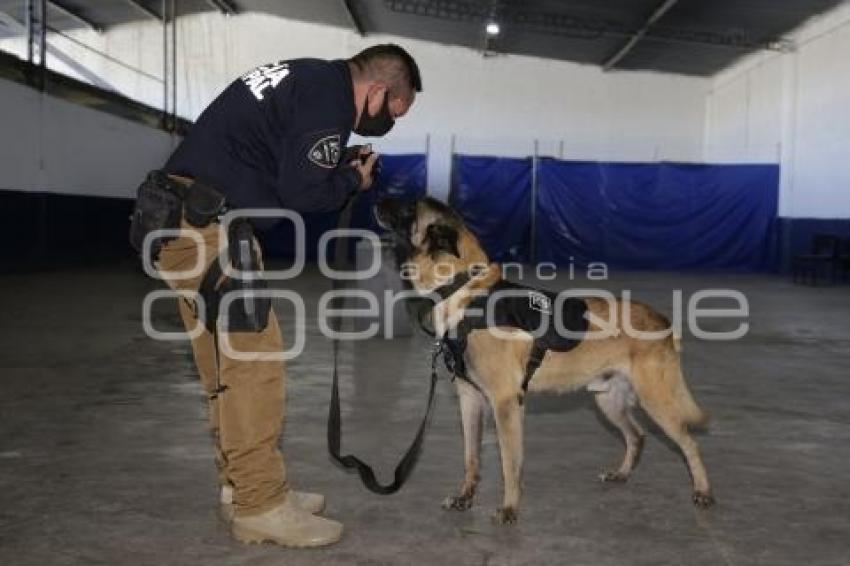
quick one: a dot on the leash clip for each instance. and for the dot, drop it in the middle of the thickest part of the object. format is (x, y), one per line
(438, 348)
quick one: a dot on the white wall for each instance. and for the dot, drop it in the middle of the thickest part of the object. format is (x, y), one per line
(495, 105)
(795, 106)
(57, 146)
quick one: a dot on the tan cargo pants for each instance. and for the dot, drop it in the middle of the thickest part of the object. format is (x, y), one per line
(245, 418)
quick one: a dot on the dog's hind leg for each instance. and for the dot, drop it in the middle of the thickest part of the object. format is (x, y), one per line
(615, 398)
(472, 404)
(663, 394)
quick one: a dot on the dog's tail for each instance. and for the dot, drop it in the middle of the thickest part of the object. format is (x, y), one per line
(694, 415)
(690, 413)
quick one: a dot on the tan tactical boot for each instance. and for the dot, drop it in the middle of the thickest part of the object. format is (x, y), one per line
(287, 525)
(311, 502)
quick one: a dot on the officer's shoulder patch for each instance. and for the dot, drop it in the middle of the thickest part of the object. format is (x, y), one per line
(325, 152)
(265, 77)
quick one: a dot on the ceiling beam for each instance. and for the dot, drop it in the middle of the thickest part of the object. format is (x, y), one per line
(74, 15)
(137, 4)
(10, 23)
(659, 12)
(79, 68)
(578, 27)
(226, 7)
(354, 18)
(100, 53)
(733, 41)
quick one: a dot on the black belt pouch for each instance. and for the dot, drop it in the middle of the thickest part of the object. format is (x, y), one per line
(157, 207)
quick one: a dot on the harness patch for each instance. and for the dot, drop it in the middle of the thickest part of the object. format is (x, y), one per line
(325, 152)
(539, 302)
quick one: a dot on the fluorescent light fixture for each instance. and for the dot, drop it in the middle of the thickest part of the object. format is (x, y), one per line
(493, 28)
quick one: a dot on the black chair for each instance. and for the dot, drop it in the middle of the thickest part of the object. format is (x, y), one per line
(824, 259)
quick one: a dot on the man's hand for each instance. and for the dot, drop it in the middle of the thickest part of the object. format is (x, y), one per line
(353, 152)
(366, 169)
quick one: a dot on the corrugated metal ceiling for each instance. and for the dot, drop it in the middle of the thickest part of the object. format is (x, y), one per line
(692, 37)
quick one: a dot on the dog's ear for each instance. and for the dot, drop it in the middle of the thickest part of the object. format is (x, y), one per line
(441, 238)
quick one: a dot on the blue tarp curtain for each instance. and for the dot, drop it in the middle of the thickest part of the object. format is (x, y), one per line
(493, 194)
(401, 176)
(631, 215)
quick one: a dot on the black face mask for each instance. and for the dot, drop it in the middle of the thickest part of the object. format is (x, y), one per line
(377, 125)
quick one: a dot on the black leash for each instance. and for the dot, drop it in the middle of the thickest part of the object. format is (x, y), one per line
(349, 461)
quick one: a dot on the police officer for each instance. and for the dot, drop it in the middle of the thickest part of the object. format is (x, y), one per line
(275, 138)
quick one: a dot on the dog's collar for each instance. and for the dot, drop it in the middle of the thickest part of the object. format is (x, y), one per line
(453, 286)
(457, 281)
(440, 294)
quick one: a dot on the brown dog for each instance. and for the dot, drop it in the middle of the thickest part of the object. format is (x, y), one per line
(622, 371)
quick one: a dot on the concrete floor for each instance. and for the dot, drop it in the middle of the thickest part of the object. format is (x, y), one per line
(105, 459)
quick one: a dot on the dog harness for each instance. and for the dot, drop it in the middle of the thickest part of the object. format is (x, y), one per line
(514, 306)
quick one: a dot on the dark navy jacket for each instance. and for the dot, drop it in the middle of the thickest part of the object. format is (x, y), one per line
(274, 137)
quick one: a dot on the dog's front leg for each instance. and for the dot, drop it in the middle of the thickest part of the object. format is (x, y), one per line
(509, 415)
(471, 414)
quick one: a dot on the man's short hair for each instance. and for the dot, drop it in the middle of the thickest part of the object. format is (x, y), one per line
(392, 65)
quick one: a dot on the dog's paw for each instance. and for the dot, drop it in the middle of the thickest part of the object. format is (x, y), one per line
(703, 500)
(614, 477)
(505, 516)
(457, 503)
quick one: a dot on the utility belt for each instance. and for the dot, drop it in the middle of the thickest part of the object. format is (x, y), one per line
(161, 204)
